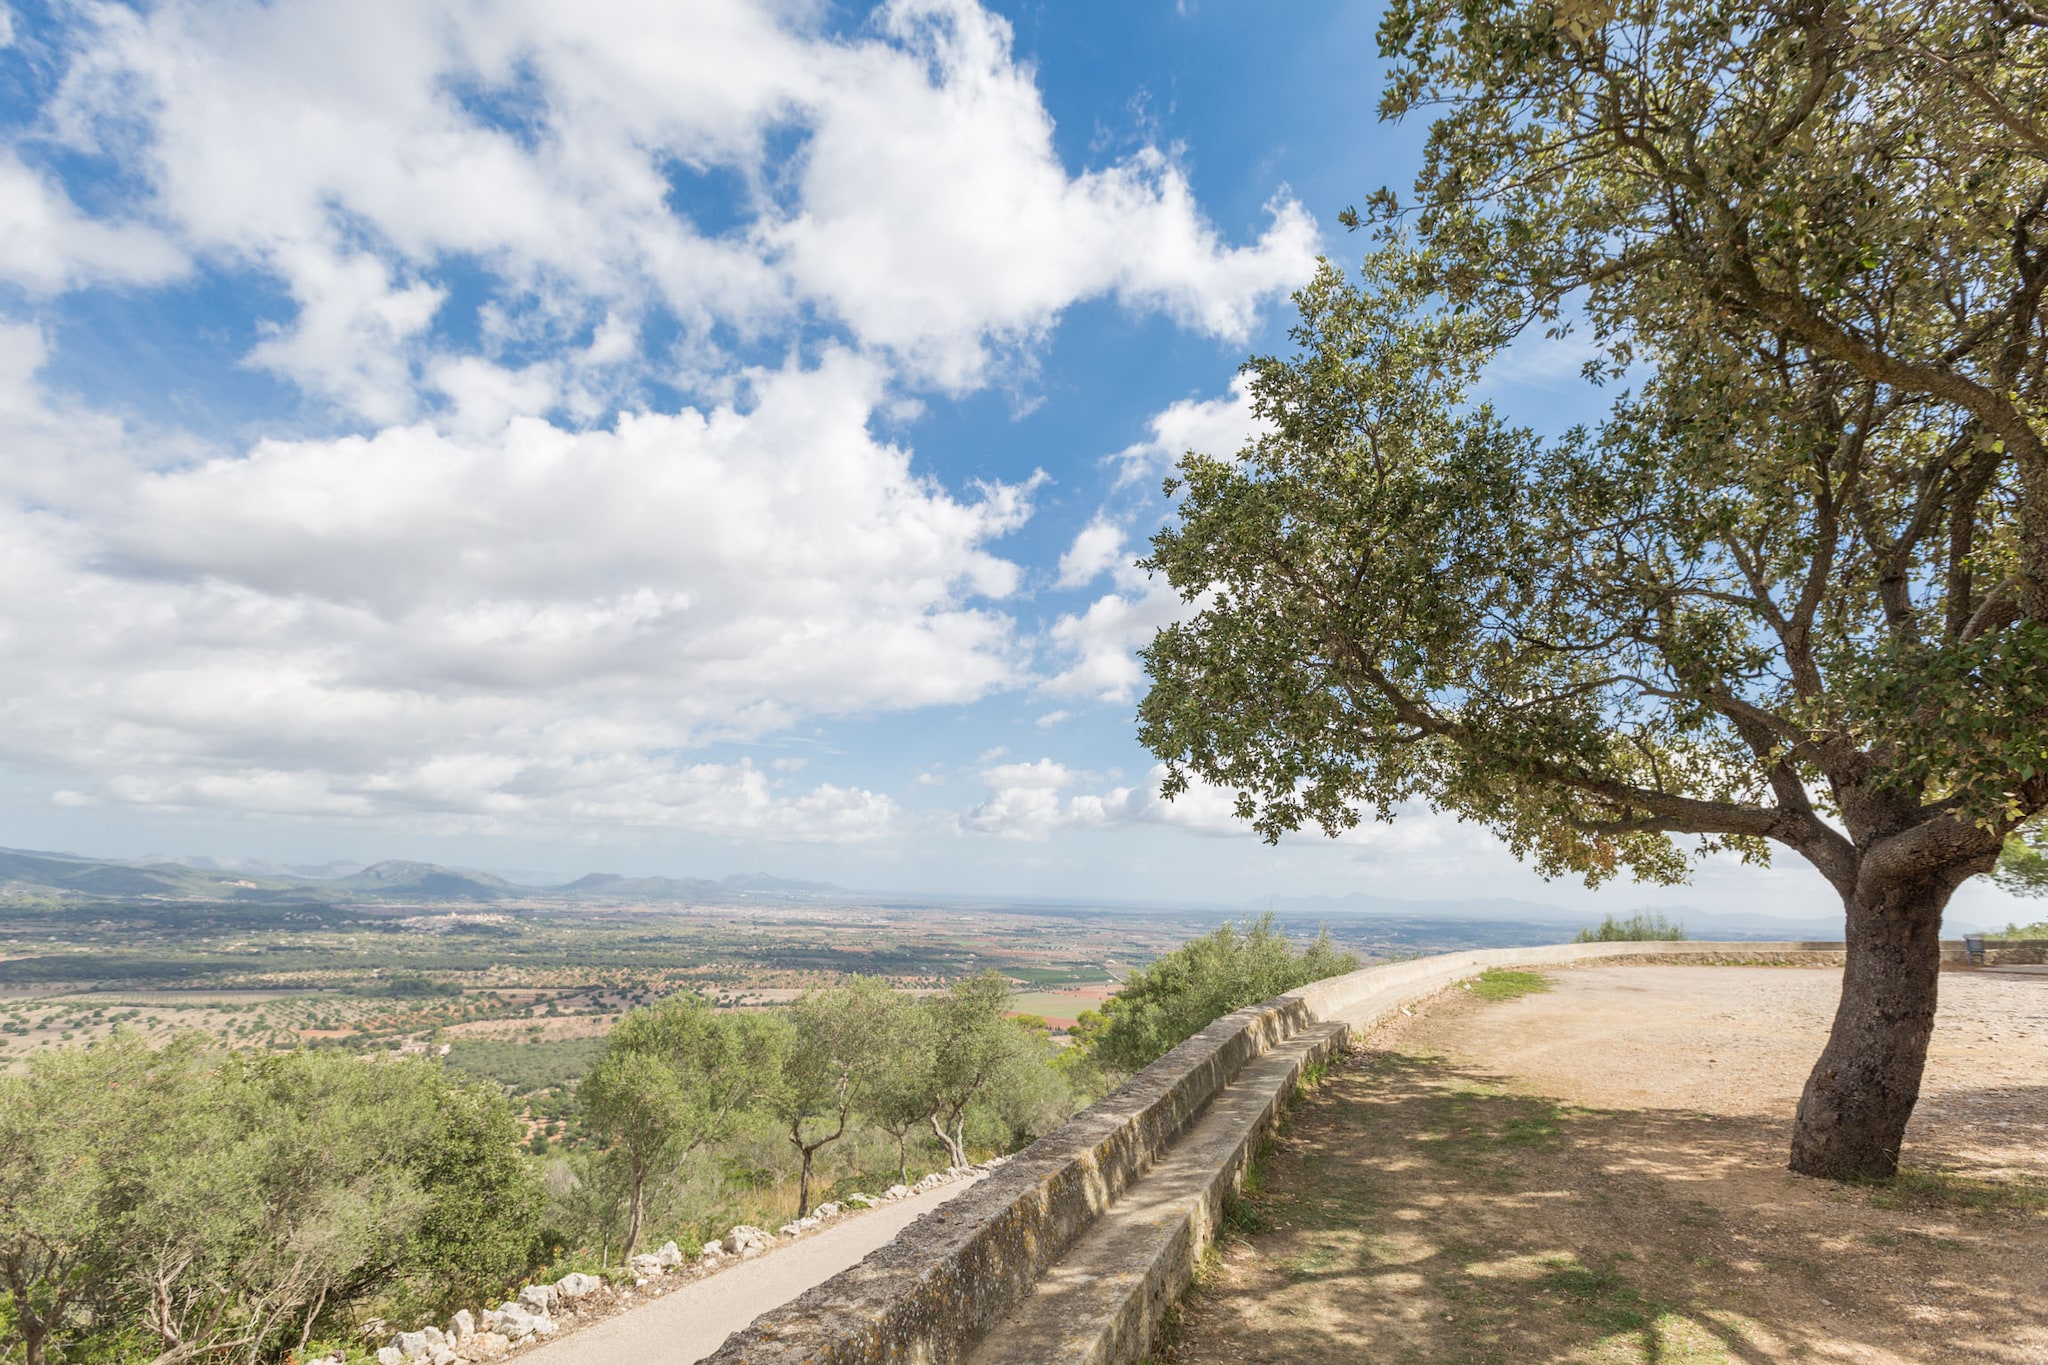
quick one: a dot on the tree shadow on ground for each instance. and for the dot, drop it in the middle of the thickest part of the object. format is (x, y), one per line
(1417, 1210)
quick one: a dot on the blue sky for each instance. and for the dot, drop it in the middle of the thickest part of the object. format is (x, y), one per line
(663, 437)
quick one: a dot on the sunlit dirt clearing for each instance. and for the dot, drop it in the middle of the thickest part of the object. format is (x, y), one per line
(1596, 1173)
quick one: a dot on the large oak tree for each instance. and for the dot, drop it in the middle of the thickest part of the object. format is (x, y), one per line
(1790, 591)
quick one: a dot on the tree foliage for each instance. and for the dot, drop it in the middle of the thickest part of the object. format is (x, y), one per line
(2023, 863)
(1792, 590)
(1186, 990)
(674, 1076)
(898, 1099)
(974, 1053)
(839, 1044)
(177, 1204)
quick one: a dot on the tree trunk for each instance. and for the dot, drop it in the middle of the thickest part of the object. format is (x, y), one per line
(945, 1138)
(1852, 1116)
(903, 1156)
(803, 1183)
(633, 1217)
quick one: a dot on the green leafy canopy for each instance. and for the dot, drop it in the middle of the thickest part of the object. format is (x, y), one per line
(1792, 588)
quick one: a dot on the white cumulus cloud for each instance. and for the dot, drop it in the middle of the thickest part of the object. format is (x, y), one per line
(610, 490)
(534, 625)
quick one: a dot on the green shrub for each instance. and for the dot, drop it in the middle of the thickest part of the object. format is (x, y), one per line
(1642, 927)
(1197, 983)
(237, 1202)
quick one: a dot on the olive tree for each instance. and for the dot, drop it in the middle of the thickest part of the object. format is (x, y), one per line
(973, 1050)
(899, 1098)
(837, 1046)
(673, 1076)
(1791, 591)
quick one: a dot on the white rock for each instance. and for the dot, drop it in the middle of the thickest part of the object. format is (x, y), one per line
(866, 1201)
(519, 1323)
(750, 1252)
(486, 1346)
(645, 1266)
(788, 1230)
(411, 1345)
(714, 1248)
(575, 1285)
(829, 1210)
(434, 1336)
(898, 1192)
(669, 1254)
(440, 1353)
(390, 1355)
(463, 1327)
(537, 1298)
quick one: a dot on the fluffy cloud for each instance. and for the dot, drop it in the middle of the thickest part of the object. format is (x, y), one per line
(50, 246)
(932, 166)
(1035, 801)
(531, 626)
(1208, 426)
(1097, 646)
(1101, 643)
(1039, 800)
(498, 239)
(356, 148)
(1099, 547)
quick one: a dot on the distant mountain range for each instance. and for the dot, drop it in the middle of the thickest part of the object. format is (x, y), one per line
(25, 872)
(30, 873)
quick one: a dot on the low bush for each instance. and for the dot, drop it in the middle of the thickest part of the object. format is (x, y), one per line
(1197, 983)
(1642, 927)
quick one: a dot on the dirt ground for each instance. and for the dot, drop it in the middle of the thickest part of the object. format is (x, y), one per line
(1595, 1173)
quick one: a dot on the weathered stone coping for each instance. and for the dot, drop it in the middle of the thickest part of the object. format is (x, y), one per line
(930, 1295)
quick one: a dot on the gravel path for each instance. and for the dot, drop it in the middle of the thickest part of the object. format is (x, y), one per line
(689, 1323)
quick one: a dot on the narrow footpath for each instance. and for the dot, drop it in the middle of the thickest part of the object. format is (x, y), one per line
(689, 1323)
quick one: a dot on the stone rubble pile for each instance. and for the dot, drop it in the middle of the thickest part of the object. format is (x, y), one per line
(541, 1310)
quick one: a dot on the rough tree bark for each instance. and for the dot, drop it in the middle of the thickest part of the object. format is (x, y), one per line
(1852, 1116)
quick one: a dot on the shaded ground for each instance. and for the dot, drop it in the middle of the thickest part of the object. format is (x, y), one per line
(1595, 1174)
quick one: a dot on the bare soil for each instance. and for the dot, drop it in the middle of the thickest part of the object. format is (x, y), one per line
(1595, 1173)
